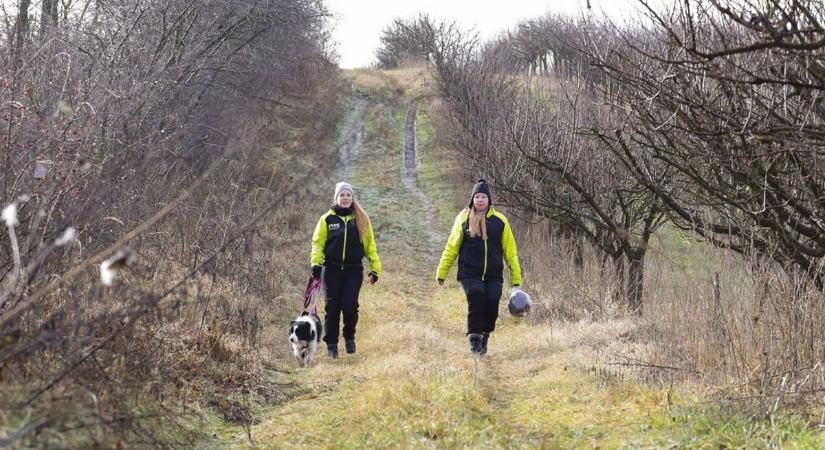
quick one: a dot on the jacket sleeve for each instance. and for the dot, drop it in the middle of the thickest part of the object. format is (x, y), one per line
(452, 247)
(508, 246)
(371, 250)
(319, 240)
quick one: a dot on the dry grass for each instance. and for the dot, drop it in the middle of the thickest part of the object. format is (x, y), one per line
(760, 341)
(412, 384)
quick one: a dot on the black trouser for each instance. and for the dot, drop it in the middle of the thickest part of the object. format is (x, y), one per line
(343, 286)
(482, 304)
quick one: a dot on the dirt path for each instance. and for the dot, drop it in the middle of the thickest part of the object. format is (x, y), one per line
(412, 352)
(412, 382)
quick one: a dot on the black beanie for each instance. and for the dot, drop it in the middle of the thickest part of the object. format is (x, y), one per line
(481, 186)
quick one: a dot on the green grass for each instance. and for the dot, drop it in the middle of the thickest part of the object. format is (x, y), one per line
(431, 173)
(711, 427)
(677, 248)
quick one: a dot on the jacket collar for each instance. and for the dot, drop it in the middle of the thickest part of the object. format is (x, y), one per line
(333, 213)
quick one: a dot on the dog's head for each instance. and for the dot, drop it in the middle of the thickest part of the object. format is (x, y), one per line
(302, 329)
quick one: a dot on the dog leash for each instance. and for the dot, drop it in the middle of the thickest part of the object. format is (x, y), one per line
(311, 295)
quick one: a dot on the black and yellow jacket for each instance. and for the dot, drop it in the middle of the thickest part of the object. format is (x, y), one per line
(478, 258)
(336, 243)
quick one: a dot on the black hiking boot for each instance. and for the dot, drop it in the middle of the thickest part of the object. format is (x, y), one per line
(484, 338)
(475, 343)
(332, 351)
(350, 345)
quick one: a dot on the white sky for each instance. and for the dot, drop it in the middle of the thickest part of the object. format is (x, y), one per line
(359, 23)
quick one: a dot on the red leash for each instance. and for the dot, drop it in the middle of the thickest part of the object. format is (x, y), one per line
(311, 295)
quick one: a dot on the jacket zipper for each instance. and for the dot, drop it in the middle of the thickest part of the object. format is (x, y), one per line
(344, 255)
(484, 273)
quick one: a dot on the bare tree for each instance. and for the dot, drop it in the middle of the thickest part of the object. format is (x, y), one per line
(405, 39)
(20, 32)
(48, 16)
(421, 38)
(729, 97)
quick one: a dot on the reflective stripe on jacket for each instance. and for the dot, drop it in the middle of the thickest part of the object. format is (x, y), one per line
(336, 243)
(478, 258)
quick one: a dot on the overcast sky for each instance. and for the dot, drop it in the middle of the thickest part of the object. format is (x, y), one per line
(359, 23)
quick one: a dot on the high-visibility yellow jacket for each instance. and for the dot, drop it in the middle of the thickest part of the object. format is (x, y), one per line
(336, 243)
(478, 258)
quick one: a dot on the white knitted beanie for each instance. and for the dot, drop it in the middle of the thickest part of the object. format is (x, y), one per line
(342, 186)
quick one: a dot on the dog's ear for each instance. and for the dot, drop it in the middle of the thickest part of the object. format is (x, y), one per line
(292, 324)
(305, 313)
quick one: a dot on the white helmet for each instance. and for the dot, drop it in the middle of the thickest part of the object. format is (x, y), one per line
(519, 303)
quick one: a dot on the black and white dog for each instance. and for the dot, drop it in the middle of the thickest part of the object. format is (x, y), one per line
(304, 334)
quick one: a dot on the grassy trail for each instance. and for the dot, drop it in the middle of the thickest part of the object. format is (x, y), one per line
(413, 383)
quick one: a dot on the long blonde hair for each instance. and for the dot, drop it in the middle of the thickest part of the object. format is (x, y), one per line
(362, 220)
(477, 223)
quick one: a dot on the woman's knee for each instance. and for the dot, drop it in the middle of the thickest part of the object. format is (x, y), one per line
(493, 291)
(349, 303)
(473, 289)
(349, 310)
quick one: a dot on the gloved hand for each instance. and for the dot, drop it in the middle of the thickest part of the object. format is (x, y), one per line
(316, 272)
(372, 277)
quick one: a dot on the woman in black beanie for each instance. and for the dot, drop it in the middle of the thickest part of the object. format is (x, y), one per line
(482, 240)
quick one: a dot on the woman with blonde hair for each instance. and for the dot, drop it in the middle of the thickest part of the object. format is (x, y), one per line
(482, 240)
(341, 239)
